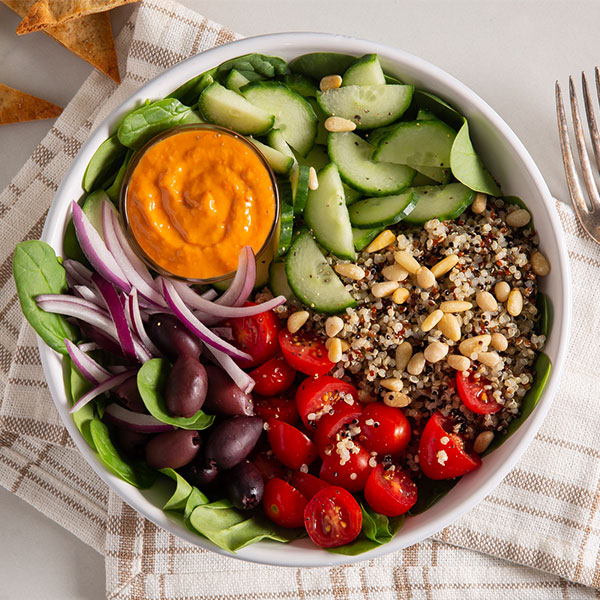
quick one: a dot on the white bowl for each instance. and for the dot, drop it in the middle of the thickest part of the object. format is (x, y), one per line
(506, 158)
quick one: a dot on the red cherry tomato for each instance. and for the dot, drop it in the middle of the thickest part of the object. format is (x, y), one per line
(442, 453)
(290, 445)
(268, 465)
(391, 491)
(333, 517)
(474, 396)
(330, 423)
(384, 429)
(308, 485)
(256, 335)
(352, 475)
(273, 377)
(316, 394)
(276, 407)
(305, 352)
(283, 503)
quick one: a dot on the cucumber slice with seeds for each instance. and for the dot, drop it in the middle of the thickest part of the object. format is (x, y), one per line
(278, 281)
(365, 71)
(443, 202)
(278, 161)
(235, 80)
(363, 237)
(276, 140)
(286, 218)
(378, 212)
(299, 180)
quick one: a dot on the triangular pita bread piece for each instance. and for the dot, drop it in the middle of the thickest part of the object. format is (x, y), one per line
(47, 13)
(16, 106)
(90, 38)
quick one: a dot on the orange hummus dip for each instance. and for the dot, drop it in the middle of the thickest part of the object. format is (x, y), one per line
(195, 198)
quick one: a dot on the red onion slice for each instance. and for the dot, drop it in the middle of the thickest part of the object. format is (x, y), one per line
(239, 377)
(139, 422)
(135, 316)
(77, 274)
(87, 294)
(250, 279)
(88, 346)
(210, 294)
(108, 384)
(86, 365)
(231, 294)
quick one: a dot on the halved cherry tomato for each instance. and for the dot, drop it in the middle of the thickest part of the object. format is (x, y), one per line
(308, 485)
(315, 394)
(268, 465)
(352, 475)
(273, 377)
(333, 517)
(256, 335)
(442, 453)
(305, 352)
(283, 503)
(330, 423)
(276, 407)
(290, 445)
(390, 491)
(474, 396)
(384, 429)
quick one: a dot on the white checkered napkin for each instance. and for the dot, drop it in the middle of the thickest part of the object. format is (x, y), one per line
(544, 514)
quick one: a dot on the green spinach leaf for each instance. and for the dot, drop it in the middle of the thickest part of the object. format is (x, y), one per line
(71, 247)
(429, 492)
(544, 322)
(114, 190)
(104, 163)
(76, 385)
(183, 489)
(254, 67)
(319, 64)
(440, 108)
(190, 91)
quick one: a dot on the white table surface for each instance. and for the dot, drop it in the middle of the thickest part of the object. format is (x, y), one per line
(510, 52)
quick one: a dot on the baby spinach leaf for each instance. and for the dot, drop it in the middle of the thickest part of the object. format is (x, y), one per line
(138, 475)
(544, 307)
(467, 167)
(429, 492)
(190, 91)
(76, 385)
(196, 498)
(104, 162)
(440, 108)
(254, 67)
(182, 491)
(37, 271)
(319, 64)
(151, 380)
(71, 247)
(114, 190)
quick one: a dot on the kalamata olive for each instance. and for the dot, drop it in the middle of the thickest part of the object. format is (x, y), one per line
(131, 443)
(245, 485)
(173, 449)
(230, 442)
(172, 337)
(129, 395)
(186, 387)
(199, 475)
(224, 397)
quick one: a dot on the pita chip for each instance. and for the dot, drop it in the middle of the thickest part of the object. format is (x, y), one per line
(47, 13)
(90, 38)
(16, 106)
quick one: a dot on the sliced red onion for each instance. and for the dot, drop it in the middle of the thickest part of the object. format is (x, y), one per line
(118, 368)
(139, 422)
(249, 280)
(83, 291)
(185, 315)
(95, 250)
(88, 346)
(210, 294)
(137, 324)
(86, 365)
(108, 384)
(223, 332)
(231, 294)
(77, 274)
(239, 376)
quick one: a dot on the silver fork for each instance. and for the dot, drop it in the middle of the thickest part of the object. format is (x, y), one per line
(588, 213)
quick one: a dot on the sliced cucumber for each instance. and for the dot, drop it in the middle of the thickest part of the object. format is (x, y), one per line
(227, 108)
(301, 84)
(443, 202)
(312, 279)
(276, 140)
(278, 161)
(352, 156)
(322, 133)
(235, 80)
(363, 237)
(425, 115)
(278, 281)
(422, 143)
(294, 116)
(316, 158)
(327, 215)
(365, 71)
(368, 106)
(377, 212)
(376, 136)
(320, 64)
(286, 219)
(299, 180)
(437, 174)
(351, 195)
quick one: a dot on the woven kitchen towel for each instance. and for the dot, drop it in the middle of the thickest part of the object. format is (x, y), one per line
(543, 515)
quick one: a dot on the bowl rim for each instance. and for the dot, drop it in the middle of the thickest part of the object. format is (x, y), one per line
(297, 43)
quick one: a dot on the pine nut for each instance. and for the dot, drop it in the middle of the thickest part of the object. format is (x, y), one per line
(313, 180)
(458, 362)
(478, 343)
(334, 354)
(518, 218)
(425, 278)
(333, 325)
(416, 364)
(445, 265)
(435, 352)
(345, 344)
(330, 82)
(539, 264)
(454, 306)
(403, 353)
(431, 320)
(407, 261)
(482, 441)
(394, 273)
(366, 397)
(384, 288)
(499, 342)
(384, 239)
(486, 301)
(479, 204)
(502, 290)
(514, 304)
(450, 327)
(396, 399)
(400, 296)
(350, 271)
(336, 124)
(489, 359)
(296, 320)
(394, 384)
